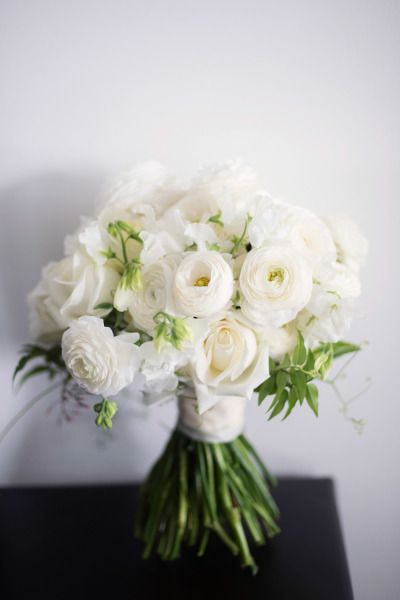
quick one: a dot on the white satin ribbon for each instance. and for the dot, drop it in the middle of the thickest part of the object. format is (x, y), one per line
(221, 423)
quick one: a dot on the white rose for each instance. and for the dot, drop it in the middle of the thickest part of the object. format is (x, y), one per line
(98, 361)
(203, 284)
(352, 246)
(275, 284)
(154, 296)
(228, 360)
(69, 289)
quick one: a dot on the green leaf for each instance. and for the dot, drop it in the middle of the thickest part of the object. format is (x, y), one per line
(310, 361)
(323, 361)
(267, 389)
(38, 370)
(214, 247)
(299, 381)
(216, 218)
(299, 354)
(104, 306)
(282, 379)
(279, 405)
(341, 348)
(312, 397)
(51, 361)
(292, 399)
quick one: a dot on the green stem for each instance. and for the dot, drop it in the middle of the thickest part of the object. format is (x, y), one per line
(123, 244)
(198, 489)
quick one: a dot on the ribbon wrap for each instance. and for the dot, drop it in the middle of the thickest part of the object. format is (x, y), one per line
(221, 423)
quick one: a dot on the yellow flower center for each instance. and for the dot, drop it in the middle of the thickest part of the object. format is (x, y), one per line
(202, 282)
(275, 276)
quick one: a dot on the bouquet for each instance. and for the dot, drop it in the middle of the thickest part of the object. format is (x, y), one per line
(208, 292)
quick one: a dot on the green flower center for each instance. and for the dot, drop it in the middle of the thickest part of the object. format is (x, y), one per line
(202, 282)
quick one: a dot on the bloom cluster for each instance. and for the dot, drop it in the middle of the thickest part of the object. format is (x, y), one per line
(213, 283)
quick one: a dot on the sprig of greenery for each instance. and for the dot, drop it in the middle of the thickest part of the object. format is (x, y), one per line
(170, 330)
(48, 361)
(105, 410)
(290, 381)
(241, 240)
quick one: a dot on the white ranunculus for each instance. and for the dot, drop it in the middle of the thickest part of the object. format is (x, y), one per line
(228, 360)
(275, 284)
(70, 289)
(352, 246)
(147, 183)
(154, 296)
(230, 184)
(98, 361)
(203, 284)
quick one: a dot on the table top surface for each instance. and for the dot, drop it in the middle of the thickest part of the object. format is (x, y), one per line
(75, 542)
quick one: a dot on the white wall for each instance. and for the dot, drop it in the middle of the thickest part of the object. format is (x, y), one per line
(307, 93)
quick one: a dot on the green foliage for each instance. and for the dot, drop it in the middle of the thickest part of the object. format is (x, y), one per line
(131, 268)
(236, 300)
(118, 228)
(191, 247)
(290, 380)
(215, 247)
(105, 410)
(132, 277)
(241, 240)
(170, 330)
(41, 361)
(115, 320)
(216, 219)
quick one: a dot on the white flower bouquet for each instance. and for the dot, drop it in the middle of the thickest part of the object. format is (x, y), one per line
(211, 291)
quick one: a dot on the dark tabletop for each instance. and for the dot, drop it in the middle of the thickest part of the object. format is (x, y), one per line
(76, 542)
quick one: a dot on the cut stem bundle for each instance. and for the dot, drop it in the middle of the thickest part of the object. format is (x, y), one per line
(198, 488)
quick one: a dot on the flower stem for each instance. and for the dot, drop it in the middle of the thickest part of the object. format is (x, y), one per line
(197, 490)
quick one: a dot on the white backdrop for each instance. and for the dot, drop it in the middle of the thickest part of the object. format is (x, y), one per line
(306, 92)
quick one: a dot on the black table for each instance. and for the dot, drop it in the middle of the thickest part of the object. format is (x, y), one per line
(76, 542)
